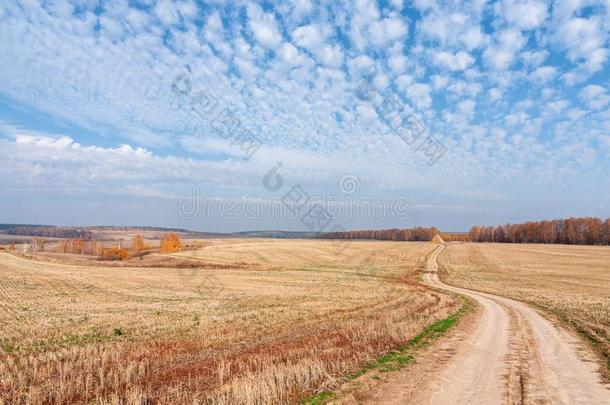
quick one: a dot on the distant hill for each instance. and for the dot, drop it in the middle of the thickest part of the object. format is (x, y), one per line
(277, 234)
(4, 227)
(86, 232)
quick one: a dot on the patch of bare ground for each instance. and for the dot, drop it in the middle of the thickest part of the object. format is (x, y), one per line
(274, 321)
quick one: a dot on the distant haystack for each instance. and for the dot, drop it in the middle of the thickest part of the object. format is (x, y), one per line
(437, 239)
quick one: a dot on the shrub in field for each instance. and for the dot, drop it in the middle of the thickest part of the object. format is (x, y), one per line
(171, 243)
(114, 253)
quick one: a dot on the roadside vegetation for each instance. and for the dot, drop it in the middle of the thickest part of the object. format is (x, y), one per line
(399, 358)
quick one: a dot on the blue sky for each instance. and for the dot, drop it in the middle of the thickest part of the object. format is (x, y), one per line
(92, 132)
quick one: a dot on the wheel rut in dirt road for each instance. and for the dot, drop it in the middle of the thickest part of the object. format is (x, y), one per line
(512, 355)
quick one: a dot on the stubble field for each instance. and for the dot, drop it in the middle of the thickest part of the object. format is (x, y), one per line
(572, 283)
(246, 321)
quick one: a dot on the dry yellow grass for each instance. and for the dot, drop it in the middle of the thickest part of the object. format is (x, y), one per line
(571, 282)
(258, 321)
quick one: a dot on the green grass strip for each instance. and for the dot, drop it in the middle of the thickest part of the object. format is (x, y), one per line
(398, 359)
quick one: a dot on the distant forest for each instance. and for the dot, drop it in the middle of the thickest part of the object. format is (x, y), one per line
(410, 235)
(570, 231)
(49, 232)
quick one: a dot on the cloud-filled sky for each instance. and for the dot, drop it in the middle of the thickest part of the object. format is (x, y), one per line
(110, 110)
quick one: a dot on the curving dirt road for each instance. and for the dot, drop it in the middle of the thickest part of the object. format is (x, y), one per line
(512, 355)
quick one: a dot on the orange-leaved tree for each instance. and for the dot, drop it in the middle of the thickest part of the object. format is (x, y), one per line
(171, 243)
(138, 245)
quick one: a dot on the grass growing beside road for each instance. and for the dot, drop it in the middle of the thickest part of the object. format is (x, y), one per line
(405, 355)
(441, 327)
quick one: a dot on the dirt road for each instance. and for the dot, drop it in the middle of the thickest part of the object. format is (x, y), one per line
(511, 355)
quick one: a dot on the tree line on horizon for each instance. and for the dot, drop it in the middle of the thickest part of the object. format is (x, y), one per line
(569, 231)
(50, 232)
(395, 234)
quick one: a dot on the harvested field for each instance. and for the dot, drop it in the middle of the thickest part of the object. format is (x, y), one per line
(255, 320)
(571, 282)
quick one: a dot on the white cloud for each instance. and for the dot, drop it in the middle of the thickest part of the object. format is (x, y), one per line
(466, 107)
(556, 107)
(420, 94)
(573, 78)
(315, 39)
(301, 9)
(424, 5)
(456, 29)
(397, 63)
(365, 13)
(495, 94)
(397, 3)
(67, 143)
(368, 28)
(404, 81)
(187, 9)
(166, 12)
(534, 58)
(576, 114)
(439, 81)
(544, 74)
(596, 97)
(516, 118)
(362, 64)
(386, 31)
(263, 27)
(442, 27)
(462, 88)
(501, 54)
(309, 37)
(584, 40)
(214, 33)
(289, 53)
(525, 15)
(456, 62)
(472, 38)
(112, 28)
(331, 55)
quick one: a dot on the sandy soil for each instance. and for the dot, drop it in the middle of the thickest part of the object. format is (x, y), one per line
(509, 355)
